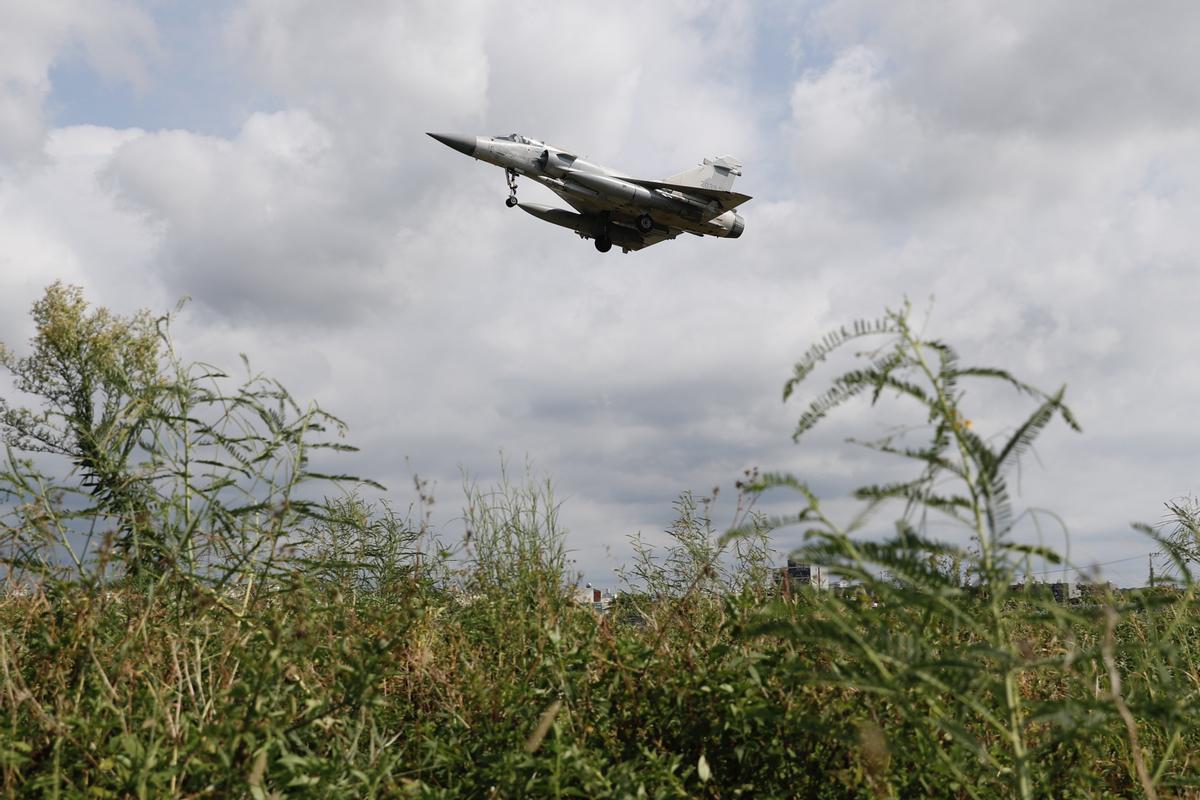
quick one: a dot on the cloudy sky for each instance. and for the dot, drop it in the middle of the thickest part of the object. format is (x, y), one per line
(1027, 172)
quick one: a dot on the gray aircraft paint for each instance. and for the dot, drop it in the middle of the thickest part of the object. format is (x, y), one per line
(612, 207)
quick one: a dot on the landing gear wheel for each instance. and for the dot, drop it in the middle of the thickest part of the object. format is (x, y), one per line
(604, 244)
(645, 224)
(510, 177)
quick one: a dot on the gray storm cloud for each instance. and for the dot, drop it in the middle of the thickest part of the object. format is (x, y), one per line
(1032, 168)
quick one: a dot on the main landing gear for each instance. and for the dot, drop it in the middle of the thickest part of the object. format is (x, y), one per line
(604, 243)
(511, 177)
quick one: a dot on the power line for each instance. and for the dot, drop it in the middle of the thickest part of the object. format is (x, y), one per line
(1092, 566)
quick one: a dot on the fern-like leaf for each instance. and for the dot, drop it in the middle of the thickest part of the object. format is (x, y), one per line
(1022, 438)
(832, 341)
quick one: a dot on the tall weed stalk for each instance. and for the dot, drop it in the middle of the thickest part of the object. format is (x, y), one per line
(940, 635)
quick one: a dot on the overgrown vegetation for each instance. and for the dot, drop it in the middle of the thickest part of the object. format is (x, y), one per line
(191, 608)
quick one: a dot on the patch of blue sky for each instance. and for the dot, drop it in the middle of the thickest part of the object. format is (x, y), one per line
(785, 44)
(192, 82)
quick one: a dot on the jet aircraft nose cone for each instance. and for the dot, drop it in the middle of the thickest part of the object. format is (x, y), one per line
(463, 144)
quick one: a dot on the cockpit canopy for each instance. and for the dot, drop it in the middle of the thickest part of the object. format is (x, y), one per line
(519, 139)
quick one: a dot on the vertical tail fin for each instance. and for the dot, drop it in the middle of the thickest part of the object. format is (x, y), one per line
(713, 173)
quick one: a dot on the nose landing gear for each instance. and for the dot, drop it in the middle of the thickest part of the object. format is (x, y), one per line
(510, 176)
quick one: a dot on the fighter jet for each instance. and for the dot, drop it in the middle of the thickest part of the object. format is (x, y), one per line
(611, 207)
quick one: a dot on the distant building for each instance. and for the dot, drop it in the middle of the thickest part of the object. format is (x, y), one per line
(1061, 591)
(796, 574)
(1066, 591)
(599, 599)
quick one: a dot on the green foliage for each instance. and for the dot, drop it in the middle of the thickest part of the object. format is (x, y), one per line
(274, 644)
(1179, 540)
(89, 367)
(95, 374)
(517, 546)
(175, 469)
(362, 550)
(973, 673)
(927, 373)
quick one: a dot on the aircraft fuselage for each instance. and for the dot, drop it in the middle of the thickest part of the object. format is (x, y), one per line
(611, 205)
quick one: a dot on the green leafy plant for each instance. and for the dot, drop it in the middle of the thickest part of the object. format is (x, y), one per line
(95, 374)
(946, 654)
(175, 471)
(236, 625)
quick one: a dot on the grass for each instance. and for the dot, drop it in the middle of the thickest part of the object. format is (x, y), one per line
(423, 692)
(183, 617)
